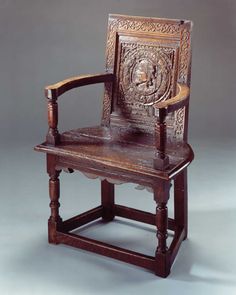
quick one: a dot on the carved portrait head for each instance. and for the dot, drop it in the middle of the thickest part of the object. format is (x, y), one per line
(145, 74)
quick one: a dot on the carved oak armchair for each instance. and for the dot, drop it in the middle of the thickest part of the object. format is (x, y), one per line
(142, 137)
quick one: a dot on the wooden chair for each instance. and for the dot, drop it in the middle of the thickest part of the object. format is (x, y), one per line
(142, 138)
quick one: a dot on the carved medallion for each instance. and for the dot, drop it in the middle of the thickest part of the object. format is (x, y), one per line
(145, 74)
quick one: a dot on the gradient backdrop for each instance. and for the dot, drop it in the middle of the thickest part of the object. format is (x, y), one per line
(43, 42)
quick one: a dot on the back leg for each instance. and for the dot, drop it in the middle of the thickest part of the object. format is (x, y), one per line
(107, 200)
(181, 201)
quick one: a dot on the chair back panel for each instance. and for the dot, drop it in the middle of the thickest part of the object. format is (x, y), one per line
(148, 57)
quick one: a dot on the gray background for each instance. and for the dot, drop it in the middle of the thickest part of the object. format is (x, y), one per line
(45, 41)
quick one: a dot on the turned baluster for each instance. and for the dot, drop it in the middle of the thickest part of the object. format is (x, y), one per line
(55, 219)
(161, 223)
(161, 196)
(161, 160)
(53, 136)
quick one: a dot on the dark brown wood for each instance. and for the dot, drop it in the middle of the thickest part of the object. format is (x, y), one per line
(161, 161)
(127, 160)
(55, 90)
(53, 136)
(181, 201)
(161, 196)
(107, 199)
(177, 102)
(180, 100)
(175, 244)
(161, 223)
(54, 220)
(52, 92)
(159, 46)
(107, 250)
(135, 214)
(81, 219)
(141, 216)
(142, 137)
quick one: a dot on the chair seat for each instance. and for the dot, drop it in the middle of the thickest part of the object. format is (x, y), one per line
(130, 152)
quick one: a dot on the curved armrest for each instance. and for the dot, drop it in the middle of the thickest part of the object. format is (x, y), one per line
(52, 92)
(55, 90)
(164, 107)
(176, 102)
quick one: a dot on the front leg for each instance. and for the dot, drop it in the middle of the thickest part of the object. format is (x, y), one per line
(54, 220)
(161, 196)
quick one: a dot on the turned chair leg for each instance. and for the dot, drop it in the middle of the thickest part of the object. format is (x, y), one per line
(181, 201)
(54, 220)
(107, 199)
(162, 256)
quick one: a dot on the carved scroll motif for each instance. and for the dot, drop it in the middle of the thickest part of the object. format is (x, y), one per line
(179, 116)
(135, 26)
(185, 56)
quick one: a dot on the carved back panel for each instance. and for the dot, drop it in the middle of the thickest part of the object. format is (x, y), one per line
(148, 57)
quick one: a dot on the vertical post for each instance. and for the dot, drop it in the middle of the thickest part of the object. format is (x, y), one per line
(181, 201)
(107, 198)
(161, 223)
(161, 196)
(54, 220)
(161, 161)
(53, 136)
(107, 104)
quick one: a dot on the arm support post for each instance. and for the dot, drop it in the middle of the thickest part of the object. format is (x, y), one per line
(52, 92)
(161, 160)
(53, 136)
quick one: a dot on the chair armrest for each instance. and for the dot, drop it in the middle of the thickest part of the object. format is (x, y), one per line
(52, 92)
(161, 109)
(176, 102)
(55, 90)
